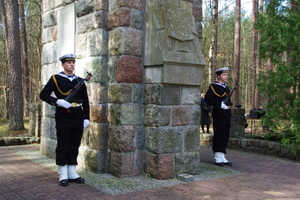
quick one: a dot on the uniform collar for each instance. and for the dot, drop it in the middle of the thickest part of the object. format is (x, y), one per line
(66, 76)
(220, 84)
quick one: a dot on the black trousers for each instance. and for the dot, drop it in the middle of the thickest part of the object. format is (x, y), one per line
(221, 126)
(69, 134)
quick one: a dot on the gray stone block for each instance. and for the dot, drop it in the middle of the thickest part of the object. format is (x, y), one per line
(131, 114)
(100, 20)
(140, 137)
(186, 177)
(98, 136)
(155, 96)
(191, 139)
(84, 7)
(50, 53)
(164, 139)
(125, 41)
(147, 94)
(93, 160)
(191, 96)
(170, 95)
(97, 65)
(48, 147)
(195, 113)
(157, 115)
(47, 35)
(137, 93)
(136, 19)
(187, 163)
(112, 5)
(81, 45)
(49, 19)
(97, 43)
(119, 93)
(48, 128)
(85, 24)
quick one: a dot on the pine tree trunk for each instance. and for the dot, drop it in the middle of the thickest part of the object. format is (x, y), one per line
(24, 62)
(214, 40)
(237, 50)
(14, 66)
(255, 38)
(258, 63)
(6, 89)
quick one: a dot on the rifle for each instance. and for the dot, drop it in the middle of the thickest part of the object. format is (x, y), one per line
(230, 93)
(76, 88)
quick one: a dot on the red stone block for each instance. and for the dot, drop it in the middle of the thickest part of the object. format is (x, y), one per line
(119, 17)
(125, 164)
(197, 13)
(161, 166)
(128, 70)
(180, 116)
(137, 4)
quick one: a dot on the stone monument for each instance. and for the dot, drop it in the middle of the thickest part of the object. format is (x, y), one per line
(145, 94)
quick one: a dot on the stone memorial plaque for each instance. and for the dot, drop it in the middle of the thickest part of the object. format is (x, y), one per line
(182, 75)
(66, 23)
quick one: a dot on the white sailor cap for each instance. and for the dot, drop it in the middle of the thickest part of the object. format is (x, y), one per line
(67, 57)
(221, 70)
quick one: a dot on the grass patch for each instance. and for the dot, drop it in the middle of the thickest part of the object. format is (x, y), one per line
(5, 132)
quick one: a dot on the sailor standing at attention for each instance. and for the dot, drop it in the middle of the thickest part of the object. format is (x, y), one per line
(71, 118)
(221, 113)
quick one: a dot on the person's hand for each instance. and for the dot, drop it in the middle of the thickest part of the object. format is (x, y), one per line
(223, 105)
(86, 123)
(63, 103)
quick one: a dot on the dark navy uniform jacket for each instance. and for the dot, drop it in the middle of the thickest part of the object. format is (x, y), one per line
(64, 85)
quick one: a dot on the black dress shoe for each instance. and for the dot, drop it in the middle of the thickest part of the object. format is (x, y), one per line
(228, 163)
(219, 164)
(63, 182)
(77, 180)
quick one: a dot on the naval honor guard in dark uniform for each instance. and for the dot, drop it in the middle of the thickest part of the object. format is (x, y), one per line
(71, 118)
(221, 113)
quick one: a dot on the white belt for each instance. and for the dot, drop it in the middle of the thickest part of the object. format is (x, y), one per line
(74, 104)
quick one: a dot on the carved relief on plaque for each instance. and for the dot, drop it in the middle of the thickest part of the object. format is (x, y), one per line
(170, 32)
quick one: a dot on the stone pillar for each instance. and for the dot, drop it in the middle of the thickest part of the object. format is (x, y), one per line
(238, 121)
(125, 90)
(173, 73)
(92, 51)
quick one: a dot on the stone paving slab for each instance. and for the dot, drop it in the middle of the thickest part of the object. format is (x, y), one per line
(252, 176)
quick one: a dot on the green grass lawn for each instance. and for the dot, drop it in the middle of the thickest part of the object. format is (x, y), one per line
(5, 132)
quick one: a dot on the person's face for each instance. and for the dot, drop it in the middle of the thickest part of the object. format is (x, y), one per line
(223, 77)
(69, 67)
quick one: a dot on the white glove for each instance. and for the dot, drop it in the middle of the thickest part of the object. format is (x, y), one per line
(86, 123)
(223, 105)
(63, 103)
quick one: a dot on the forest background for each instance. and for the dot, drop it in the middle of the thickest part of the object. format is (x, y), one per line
(261, 48)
